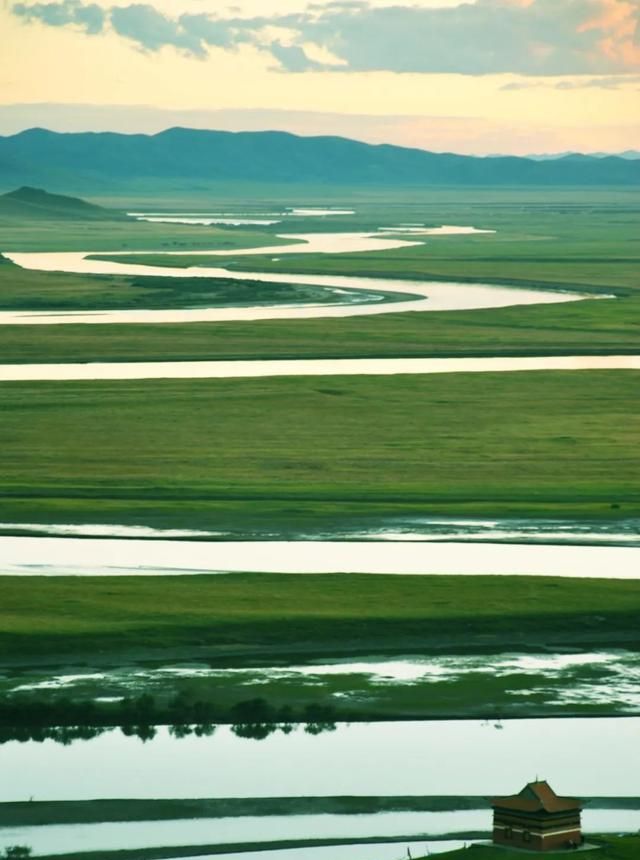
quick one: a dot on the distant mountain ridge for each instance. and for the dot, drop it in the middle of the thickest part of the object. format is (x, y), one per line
(628, 154)
(109, 160)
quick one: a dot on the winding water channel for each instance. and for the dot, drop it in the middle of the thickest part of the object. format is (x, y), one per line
(429, 295)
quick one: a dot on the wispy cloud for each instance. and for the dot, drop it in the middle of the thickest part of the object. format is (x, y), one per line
(609, 82)
(293, 58)
(527, 37)
(152, 30)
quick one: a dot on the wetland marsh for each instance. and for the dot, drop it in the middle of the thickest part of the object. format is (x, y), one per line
(234, 688)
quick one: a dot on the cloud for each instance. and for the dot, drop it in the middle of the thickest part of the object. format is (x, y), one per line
(526, 37)
(152, 30)
(90, 16)
(293, 58)
(610, 82)
(613, 82)
(530, 37)
(208, 31)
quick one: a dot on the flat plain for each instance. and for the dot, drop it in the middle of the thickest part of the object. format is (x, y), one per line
(203, 453)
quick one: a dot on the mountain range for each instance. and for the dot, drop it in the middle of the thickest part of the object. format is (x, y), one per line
(200, 158)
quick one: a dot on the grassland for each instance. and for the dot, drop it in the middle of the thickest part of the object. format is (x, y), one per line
(77, 626)
(577, 328)
(34, 813)
(86, 235)
(292, 451)
(25, 290)
(260, 614)
(610, 847)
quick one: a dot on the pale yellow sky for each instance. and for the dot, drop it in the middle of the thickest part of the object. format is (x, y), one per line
(467, 112)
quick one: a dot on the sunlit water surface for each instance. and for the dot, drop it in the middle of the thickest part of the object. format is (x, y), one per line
(56, 556)
(429, 296)
(306, 367)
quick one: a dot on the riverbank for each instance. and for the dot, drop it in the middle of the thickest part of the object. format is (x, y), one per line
(611, 847)
(40, 813)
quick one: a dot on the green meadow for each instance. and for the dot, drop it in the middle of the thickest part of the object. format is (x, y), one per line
(238, 623)
(610, 847)
(251, 613)
(25, 290)
(289, 452)
(30, 235)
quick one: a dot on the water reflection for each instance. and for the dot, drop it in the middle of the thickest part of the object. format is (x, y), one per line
(579, 757)
(66, 735)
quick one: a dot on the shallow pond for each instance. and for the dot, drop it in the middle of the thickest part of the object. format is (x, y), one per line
(513, 682)
(579, 757)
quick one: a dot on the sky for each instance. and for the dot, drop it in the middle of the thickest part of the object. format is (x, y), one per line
(478, 76)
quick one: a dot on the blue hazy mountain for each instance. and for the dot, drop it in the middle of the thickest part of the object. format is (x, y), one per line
(199, 158)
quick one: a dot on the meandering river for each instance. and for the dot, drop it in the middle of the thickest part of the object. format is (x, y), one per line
(429, 295)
